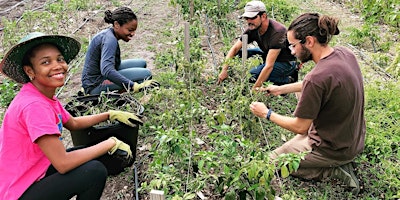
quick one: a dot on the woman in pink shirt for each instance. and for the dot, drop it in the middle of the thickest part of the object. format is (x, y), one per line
(34, 163)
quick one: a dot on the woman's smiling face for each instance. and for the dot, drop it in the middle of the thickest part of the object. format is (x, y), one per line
(48, 67)
(126, 31)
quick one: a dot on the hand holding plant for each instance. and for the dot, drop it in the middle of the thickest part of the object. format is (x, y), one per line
(124, 117)
(148, 84)
(259, 109)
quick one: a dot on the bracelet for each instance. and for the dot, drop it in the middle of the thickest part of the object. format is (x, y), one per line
(269, 114)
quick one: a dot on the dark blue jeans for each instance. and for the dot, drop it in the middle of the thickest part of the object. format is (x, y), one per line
(280, 73)
(133, 69)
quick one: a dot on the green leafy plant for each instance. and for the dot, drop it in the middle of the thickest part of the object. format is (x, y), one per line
(8, 90)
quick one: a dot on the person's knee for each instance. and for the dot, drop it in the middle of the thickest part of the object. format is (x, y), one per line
(142, 63)
(257, 70)
(147, 74)
(97, 170)
(133, 63)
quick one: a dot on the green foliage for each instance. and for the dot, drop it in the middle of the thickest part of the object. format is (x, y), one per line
(281, 10)
(233, 161)
(213, 11)
(8, 90)
(366, 36)
(289, 163)
(382, 143)
(78, 4)
(116, 3)
(382, 115)
(373, 11)
(394, 67)
(9, 38)
(376, 13)
(208, 133)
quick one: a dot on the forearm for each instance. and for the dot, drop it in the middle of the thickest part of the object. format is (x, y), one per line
(232, 53)
(65, 161)
(118, 79)
(264, 74)
(294, 124)
(269, 66)
(289, 123)
(229, 56)
(82, 122)
(291, 88)
(76, 158)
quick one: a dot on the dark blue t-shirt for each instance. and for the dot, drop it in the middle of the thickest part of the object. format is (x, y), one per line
(102, 61)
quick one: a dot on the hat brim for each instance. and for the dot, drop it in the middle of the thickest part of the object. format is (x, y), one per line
(11, 64)
(249, 14)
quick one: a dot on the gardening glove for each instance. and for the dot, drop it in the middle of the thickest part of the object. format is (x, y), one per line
(124, 117)
(119, 145)
(148, 84)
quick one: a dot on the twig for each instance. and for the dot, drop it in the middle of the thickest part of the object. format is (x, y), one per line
(12, 7)
(375, 65)
(37, 8)
(209, 43)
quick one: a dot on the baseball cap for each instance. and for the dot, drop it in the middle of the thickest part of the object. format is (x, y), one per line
(252, 8)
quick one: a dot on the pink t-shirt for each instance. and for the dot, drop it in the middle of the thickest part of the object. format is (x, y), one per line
(29, 116)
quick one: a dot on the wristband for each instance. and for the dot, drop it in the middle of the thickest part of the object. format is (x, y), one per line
(269, 114)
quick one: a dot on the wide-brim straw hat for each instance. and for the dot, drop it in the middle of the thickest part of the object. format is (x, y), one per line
(11, 65)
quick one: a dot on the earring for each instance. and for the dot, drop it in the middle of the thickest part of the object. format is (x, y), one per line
(31, 78)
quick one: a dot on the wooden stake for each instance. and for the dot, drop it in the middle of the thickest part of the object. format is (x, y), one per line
(191, 10)
(186, 42)
(157, 195)
(244, 49)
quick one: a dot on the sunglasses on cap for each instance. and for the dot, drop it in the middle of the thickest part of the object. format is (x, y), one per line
(250, 18)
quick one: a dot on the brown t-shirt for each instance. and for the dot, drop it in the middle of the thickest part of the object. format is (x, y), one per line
(273, 38)
(333, 96)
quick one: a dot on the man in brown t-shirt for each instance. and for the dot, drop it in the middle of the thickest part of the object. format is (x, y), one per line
(279, 65)
(329, 117)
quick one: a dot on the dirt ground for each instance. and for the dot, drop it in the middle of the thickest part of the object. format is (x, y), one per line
(152, 15)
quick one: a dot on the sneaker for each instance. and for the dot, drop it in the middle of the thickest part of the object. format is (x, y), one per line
(345, 173)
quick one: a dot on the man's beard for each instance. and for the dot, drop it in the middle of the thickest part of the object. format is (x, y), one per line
(256, 27)
(305, 55)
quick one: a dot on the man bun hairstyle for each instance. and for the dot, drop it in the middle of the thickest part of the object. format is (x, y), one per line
(122, 15)
(321, 27)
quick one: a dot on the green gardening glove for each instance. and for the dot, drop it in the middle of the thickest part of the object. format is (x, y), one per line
(148, 84)
(119, 145)
(124, 117)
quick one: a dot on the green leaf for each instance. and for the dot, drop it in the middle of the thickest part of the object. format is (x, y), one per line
(295, 165)
(231, 195)
(260, 193)
(226, 169)
(284, 171)
(201, 165)
(189, 196)
(252, 172)
(176, 197)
